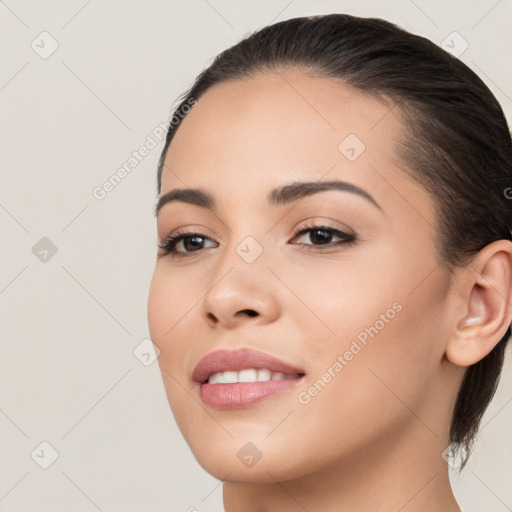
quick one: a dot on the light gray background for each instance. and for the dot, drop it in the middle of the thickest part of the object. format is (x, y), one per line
(68, 374)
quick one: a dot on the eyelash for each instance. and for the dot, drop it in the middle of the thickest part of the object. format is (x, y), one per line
(169, 244)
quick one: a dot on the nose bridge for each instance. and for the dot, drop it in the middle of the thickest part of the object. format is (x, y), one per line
(241, 266)
(240, 282)
(245, 250)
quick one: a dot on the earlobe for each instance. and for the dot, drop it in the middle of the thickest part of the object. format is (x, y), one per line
(487, 290)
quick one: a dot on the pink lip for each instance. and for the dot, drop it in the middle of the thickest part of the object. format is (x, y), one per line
(241, 394)
(240, 359)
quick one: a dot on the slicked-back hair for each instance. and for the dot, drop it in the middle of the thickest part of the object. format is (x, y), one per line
(457, 144)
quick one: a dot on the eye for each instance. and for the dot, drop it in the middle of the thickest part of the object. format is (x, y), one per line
(185, 243)
(321, 237)
(182, 243)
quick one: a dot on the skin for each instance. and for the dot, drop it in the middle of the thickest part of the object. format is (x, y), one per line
(372, 438)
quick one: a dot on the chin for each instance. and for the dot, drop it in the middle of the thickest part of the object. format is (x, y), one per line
(234, 471)
(240, 460)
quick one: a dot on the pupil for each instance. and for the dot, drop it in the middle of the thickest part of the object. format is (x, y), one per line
(323, 238)
(192, 243)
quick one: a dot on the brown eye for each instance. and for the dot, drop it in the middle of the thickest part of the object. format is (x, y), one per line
(323, 236)
(181, 244)
(192, 243)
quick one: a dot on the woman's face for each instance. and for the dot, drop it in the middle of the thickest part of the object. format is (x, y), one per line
(356, 305)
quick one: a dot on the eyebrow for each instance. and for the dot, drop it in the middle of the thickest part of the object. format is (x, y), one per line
(281, 195)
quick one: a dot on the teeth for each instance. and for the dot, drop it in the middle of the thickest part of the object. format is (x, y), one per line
(229, 377)
(264, 374)
(248, 375)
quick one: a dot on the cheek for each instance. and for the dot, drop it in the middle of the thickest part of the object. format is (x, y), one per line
(171, 305)
(360, 393)
(170, 300)
(378, 341)
(365, 309)
(339, 295)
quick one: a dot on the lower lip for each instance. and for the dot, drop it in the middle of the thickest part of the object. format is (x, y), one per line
(242, 394)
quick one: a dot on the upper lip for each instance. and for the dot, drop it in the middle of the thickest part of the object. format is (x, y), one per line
(240, 359)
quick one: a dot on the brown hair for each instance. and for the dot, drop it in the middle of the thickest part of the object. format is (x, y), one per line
(457, 144)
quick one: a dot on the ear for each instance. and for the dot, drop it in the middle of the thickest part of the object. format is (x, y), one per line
(486, 315)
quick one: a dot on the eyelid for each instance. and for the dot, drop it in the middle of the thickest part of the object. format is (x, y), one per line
(191, 229)
(177, 236)
(347, 237)
(312, 223)
(325, 222)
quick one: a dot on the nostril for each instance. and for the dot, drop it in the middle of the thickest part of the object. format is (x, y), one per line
(250, 312)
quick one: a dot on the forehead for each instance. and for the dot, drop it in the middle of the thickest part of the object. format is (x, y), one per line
(287, 114)
(276, 127)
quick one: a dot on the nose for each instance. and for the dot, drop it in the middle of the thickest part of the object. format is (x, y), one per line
(240, 292)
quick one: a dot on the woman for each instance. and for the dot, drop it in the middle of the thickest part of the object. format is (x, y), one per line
(331, 296)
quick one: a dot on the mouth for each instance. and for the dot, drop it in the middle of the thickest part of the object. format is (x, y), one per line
(233, 379)
(249, 375)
